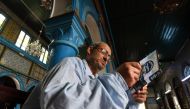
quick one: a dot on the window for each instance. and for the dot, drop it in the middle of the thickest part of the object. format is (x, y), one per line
(2, 21)
(22, 40)
(186, 73)
(44, 55)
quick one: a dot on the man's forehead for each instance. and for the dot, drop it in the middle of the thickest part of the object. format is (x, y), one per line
(105, 46)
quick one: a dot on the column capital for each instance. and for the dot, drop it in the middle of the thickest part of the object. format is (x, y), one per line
(66, 27)
(68, 34)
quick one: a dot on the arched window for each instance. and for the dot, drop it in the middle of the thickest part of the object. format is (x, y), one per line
(3, 19)
(168, 88)
(186, 73)
(22, 40)
(44, 55)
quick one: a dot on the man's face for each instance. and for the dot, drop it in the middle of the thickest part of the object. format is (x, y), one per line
(100, 56)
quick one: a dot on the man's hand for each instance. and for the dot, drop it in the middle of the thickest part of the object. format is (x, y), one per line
(130, 71)
(141, 95)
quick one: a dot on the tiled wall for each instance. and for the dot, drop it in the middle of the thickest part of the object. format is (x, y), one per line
(16, 62)
(1, 49)
(11, 59)
(37, 72)
(11, 31)
(1, 70)
(14, 65)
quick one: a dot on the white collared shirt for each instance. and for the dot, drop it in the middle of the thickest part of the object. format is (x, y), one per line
(71, 85)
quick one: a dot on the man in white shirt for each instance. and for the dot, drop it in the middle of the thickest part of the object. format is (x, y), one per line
(75, 84)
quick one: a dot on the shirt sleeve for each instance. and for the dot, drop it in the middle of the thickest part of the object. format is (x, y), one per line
(62, 89)
(131, 104)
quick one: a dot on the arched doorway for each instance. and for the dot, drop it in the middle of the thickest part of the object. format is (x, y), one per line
(92, 28)
(10, 93)
(180, 93)
(6, 82)
(61, 7)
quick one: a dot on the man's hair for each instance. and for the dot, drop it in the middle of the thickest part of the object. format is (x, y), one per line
(82, 49)
(97, 44)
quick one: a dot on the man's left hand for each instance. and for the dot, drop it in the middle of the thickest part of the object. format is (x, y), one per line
(141, 95)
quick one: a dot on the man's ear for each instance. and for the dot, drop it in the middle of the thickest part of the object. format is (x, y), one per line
(89, 50)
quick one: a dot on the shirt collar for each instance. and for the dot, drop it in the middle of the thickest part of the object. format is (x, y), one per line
(88, 70)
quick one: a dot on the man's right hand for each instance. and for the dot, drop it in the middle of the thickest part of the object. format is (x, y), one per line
(130, 71)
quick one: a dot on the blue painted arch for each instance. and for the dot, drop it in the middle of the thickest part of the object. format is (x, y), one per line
(14, 76)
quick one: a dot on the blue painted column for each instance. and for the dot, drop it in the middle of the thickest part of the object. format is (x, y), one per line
(67, 33)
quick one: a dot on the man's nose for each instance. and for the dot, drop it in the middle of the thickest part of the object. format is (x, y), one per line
(105, 58)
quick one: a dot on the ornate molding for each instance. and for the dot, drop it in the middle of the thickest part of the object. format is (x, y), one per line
(66, 27)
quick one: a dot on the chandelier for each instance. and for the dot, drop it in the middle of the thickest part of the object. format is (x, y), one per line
(167, 6)
(47, 4)
(35, 48)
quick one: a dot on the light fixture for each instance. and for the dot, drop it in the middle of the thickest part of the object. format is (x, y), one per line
(158, 96)
(184, 79)
(168, 88)
(167, 6)
(168, 91)
(35, 48)
(47, 4)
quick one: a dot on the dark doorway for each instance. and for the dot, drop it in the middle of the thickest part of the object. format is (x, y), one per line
(7, 82)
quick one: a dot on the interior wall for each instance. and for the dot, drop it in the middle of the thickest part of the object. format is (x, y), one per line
(175, 70)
